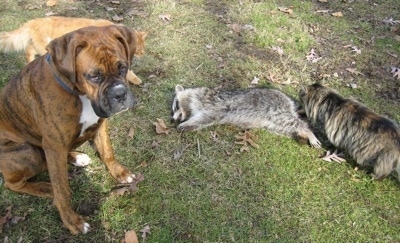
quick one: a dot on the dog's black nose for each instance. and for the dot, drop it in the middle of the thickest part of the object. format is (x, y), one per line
(118, 93)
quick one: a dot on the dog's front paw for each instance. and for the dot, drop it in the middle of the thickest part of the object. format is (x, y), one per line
(122, 174)
(75, 223)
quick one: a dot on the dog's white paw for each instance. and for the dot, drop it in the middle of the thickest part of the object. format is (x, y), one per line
(129, 179)
(82, 160)
(86, 228)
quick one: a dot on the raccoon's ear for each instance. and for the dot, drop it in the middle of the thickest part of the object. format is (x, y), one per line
(178, 88)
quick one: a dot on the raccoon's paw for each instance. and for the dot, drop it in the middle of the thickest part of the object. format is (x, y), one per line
(333, 157)
(314, 142)
(185, 128)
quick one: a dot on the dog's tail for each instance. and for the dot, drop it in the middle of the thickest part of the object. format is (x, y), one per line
(16, 40)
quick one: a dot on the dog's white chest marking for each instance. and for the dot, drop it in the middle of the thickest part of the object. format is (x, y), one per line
(88, 116)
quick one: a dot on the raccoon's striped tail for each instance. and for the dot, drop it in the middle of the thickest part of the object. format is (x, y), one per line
(16, 40)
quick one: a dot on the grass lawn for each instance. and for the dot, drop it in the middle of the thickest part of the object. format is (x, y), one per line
(200, 186)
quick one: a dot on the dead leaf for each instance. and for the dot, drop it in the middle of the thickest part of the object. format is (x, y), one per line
(161, 128)
(356, 50)
(323, 11)
(354, 71)
(214, 136)
(155, 144)
(391, 21)
(131, 132)
(31, 6)
(165, 17)
(396, 72)
(136, 12)
(313, 56)
(255, 80)
(323, 1)
(51, 3)
(131, 237)
(337, 14)
(245, 139)
(235, 27)
(133, 186)
(248, 27)
(278, 49)
(51, 13)
(119, 191)
(115, 2)
(4, 219)
(285, 10)
(145, 231)
(117, 18)
(106, 225)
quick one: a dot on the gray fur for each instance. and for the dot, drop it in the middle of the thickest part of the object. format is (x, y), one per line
(372, 140)
(264, 108)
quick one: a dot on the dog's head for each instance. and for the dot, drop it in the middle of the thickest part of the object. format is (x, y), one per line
(94, 62)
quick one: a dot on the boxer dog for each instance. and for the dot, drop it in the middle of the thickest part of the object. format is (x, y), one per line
(59, 101)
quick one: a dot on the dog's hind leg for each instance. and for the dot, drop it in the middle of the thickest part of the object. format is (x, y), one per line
(20, 162)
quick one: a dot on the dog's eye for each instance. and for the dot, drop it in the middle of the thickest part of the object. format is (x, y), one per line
(95, 78)
(122, 71)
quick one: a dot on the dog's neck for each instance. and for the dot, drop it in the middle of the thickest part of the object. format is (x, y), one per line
(59, 80)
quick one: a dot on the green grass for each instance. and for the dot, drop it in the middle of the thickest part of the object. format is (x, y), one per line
(280, 192)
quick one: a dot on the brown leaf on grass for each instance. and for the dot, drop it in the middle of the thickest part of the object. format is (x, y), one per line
(133, 186)
(235, 27)
(131, 132)
(119, 191)
(165, 17)
(155, 144)
(396, 72)
(5, 218)
(106, 225)
(131, 237)
(337, 14)
(285, 10)
(245, 139)
(214, 136)
(32, 6)
(145, 231)
(136, 12)
(117, 18)
(354, 71)
(51, 3)
(161, 128)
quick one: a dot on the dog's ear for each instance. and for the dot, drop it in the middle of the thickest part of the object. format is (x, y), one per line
(63, 52)
(130, 39)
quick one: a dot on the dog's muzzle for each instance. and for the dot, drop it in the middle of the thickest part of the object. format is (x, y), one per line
(114, 99)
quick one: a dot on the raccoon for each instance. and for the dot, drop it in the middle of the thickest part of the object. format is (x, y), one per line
(372, 140)
(270, 109)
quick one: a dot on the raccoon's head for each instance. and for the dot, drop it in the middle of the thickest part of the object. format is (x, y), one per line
(178, 114)
(312, 97)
